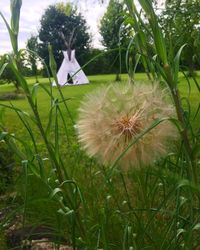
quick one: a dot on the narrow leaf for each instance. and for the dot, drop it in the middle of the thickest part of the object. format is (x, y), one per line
(177, 63)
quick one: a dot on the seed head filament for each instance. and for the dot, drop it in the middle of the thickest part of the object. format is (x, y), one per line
(128, 126)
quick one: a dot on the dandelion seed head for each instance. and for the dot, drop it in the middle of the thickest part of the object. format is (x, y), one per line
(111, 117)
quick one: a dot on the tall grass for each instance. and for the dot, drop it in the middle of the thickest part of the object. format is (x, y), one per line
(90, 206)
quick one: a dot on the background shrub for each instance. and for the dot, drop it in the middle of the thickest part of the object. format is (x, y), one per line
(6, 166)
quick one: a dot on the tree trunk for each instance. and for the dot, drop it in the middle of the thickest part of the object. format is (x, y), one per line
(36, 78)
(191, 71)
(118, 78)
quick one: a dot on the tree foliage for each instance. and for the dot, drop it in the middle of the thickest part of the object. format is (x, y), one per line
(110, 25)
(112, 32)
(180, 21)
(7, 75)
(64, 19)
(100, 62)
(32, 45)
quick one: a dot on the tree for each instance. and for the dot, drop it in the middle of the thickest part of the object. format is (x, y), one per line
(63, 19)
(7, 75)
(32, 45)
(112, 33)
(180, 21)
(98, 58)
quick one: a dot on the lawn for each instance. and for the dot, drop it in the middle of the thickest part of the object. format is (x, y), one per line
(76, 94)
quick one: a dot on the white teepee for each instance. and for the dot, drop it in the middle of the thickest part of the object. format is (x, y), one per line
(70, 71)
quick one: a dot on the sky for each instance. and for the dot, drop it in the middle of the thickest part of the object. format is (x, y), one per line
(32, 11)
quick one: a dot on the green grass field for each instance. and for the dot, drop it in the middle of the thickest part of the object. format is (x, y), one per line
(76, 94)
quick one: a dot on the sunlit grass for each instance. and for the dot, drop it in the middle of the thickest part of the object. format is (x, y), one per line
(76, 94)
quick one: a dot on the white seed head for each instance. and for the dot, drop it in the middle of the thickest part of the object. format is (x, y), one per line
(112, 116)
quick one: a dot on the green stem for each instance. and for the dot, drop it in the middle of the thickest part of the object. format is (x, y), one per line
(52, 157)
(179, 111)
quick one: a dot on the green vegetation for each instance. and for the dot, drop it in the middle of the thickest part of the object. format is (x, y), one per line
(179, 19)
(35, 194)
(114, 36)
(77, 93)
(65, 197)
